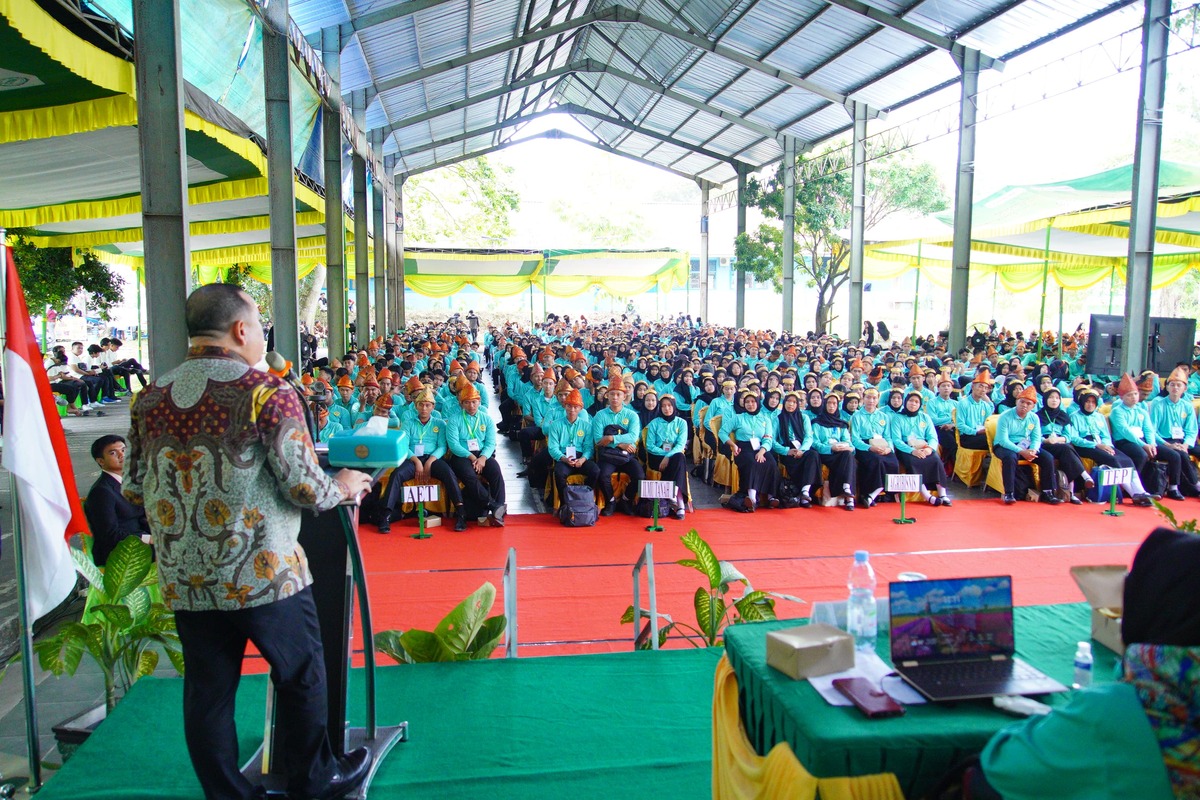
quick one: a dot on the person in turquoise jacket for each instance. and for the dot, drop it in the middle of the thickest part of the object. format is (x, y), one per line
(570, 444)
(616, 432)
(666, 440)
(471, 439)
(973, 410)
(722, 406)
(1174, 420)
(750, 434)
(427, 439)
(1019, 436)
(831, 439)
(914, 436)
(326, 425)
(1058, 439)
(1091, 438)
(1137, 737)
(874, 455)
(792, 446)
(940, 409)
(1133, 432)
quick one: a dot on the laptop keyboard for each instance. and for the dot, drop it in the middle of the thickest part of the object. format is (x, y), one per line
(974, 673)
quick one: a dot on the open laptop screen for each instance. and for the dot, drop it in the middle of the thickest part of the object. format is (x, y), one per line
(951, 618)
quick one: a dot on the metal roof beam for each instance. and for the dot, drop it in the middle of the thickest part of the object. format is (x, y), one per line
(894, 22)
(387, 14)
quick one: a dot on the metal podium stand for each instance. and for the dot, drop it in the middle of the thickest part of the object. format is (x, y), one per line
(330, 541)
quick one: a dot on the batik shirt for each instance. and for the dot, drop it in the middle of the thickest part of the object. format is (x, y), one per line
(220, 456)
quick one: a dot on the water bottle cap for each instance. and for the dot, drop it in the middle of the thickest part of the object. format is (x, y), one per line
(860, 556)
(1085, 647)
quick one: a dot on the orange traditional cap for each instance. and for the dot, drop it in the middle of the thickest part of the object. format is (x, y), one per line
(574, 399)
(1028, 393)
(473, 365)
(384, 403)
(615, 384)
(468, 392)
(1180, 374)
(384, 374)
(345, 382)
(307, 379)
(454, 366)
(983, 376)
(413, 384)
(1146, 382)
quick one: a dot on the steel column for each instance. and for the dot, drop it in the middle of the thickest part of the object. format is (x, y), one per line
(397, 293)
(964, 190)
(739, 276)
(858, 216)
(1143, 215)
(789, 230)
(389, 239)
(281, 192)
(703, 312)
(162, 156)
(380, 249)
(358, 170)
(335, 233)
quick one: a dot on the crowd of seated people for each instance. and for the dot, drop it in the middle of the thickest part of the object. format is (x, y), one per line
(88, 379)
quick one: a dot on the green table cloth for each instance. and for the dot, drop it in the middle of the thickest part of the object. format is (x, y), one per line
(919, 747)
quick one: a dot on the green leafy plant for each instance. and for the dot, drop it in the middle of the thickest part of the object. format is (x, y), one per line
(466, 634)
(1187, 525)
(714, 605)
(125, 621)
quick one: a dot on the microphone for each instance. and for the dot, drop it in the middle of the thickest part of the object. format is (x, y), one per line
(280, 367)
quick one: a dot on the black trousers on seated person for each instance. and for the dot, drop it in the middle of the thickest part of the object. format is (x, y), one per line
(482, 492)
(214, 642)
(391, 496)
(439, 470)
(526, 437)
(973, 441)
(841, 471)
(930, 468)
(1187, 470)
(1067, 459)
(590, 471)
(675, 472)
(1172, 458)
(802, 471)
(1008, 469)
(949, 446)
(632, 468)
(762, 478)
(872, 469)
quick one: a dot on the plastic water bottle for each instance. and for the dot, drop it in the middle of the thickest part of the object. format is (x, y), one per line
(862, 620)
(1083, 666)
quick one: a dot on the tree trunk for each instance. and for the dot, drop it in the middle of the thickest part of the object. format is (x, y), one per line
(308, 302)
(821, 319)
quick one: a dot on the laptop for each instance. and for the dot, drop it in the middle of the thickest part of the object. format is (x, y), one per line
(952, 639)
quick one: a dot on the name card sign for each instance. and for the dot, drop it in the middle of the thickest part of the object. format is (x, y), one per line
(658, 490)
(421, 493)
(1109, 477)
(903, 482)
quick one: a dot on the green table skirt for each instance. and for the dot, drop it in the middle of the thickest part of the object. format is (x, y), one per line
(919, 747)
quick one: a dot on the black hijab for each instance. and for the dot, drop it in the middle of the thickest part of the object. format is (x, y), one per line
(1162, 605)
(828, 420)
(1050, 415)
(904, 406)
(600, 403)
(708, 397)
(791, 423)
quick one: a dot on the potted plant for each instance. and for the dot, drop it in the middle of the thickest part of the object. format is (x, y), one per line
(467, 633)
(123, 618)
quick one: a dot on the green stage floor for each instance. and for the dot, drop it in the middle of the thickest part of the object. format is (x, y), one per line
(597, 726)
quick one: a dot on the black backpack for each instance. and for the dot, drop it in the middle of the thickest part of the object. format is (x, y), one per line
(578, 509)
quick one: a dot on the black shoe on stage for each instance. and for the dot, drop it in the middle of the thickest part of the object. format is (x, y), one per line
(385, 523)
(609, 509)
(1174, 494)
(460, 520)
(1142, 501)
(1009, 499)
(351, 771)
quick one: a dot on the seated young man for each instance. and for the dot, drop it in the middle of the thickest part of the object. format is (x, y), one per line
(110, 516)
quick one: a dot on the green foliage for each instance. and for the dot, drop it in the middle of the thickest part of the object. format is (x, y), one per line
(239, 275)
(126, 622)
(823, 216)
(1187, 525)
(467, 205)
(50, 276)
(713, 606)
(467, 633)
(615, 226)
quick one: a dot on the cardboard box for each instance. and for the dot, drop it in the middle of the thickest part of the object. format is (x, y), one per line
(1104, 588)
(810, 650)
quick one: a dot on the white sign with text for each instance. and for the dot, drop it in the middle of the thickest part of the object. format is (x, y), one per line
(421, 493)
(903, 482)
(658, 490)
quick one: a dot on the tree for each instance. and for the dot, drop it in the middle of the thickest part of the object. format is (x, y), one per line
(823, 221)
(50, 276)
(468, 204)
(603, 227)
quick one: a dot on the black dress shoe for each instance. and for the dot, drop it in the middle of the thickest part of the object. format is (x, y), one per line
(1048, 497)
(351, 771)
(609, 509)
(1009, 499)
(1142, 500)
(1174, 494)
(460, 521)
(805, 501)
(385, 523)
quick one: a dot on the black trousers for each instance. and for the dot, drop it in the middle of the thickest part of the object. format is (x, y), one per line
(949, 447)
(632, 468)
(439, 470)
(482, 492)
(539, 469)
(872, 469)
(841, 470)
(1172, 458)
(675, 472)
(70, 389)
(526, 437)
(973, 441)
(1066, 457)
(590, 471)
(762, 478)
(1008, 469)
(214, 642)
(1117, 460)
(930, 468)
(390, 498)
(1187, 470)
(803, 471)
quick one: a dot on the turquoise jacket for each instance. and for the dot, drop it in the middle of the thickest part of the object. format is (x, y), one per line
(666, 438)
(824, 437)
(362, 416)
(577, 434)
(342, 415)
(462, 428)
(1131, 424)
(1173, 420)
(627, 419)
(1089, 429)
(684, 404)
(540, 406)
(431, 435)
(719, 407)
(904, 431)
(743, 427)
(331, 427)
(780, 447)
(973, 414)
(939, 410)
(1015, 433)
(866, 425)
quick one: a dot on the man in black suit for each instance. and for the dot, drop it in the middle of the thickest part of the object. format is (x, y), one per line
(110, 516)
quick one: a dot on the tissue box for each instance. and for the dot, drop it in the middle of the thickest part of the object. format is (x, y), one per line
(1104, 588)
(810, 650)
(356, 449)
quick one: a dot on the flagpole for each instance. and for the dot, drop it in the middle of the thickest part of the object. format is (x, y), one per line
(32, 742)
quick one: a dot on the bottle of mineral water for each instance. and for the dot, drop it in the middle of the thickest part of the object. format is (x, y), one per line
(861, 616)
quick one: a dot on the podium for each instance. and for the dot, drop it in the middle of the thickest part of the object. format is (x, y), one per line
(330, 540)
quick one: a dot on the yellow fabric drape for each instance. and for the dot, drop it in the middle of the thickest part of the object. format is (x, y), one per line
(739, 773)
(446, 285)
(80, 57)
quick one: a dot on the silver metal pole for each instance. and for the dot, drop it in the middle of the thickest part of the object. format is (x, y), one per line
(964, 189)
(380, 249)
(335, 233)
(389, 228)
(789, 230)
(397, 294)
(739, 276)
(510, 603)
(162, 157)
(858, 216)
(1143, 216)
(33, 743)
(362, 255)
(703, 312)
(285, 303)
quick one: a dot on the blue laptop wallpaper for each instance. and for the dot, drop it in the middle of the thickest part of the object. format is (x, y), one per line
(951, 618)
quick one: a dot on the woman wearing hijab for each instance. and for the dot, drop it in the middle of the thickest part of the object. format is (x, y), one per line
(1012, 388)
(1137, 736)
(815, 400)
(895, 402)
(793, 447)
(1058, 436)
(685, 392)
(914, 436)
(750, 434)
(772, 402)
(831, 440)
(639, 393)
(1093, 440)
(601, 401)
(649, 407)
(873, 453)
(666, 438)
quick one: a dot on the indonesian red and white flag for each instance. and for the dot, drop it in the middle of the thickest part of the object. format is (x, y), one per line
(35, 452)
